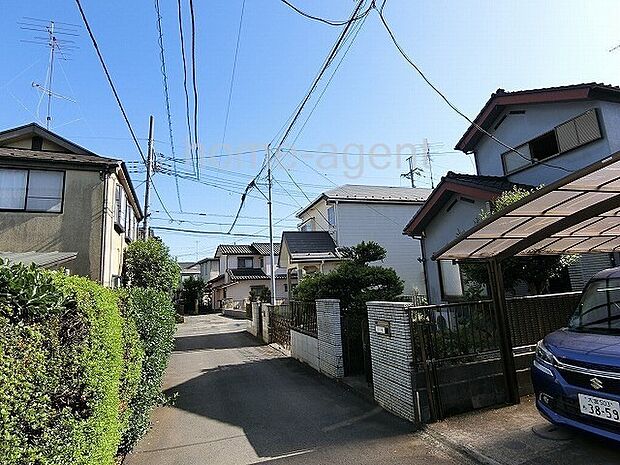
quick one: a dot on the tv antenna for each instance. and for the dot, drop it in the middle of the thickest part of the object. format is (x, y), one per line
(59, 48)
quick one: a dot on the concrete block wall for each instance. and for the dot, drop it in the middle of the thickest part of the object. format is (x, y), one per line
(305, 349)
(392, 358)
(254, 325)
(264, 309)
(330, 338)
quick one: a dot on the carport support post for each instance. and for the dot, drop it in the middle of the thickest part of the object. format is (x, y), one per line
(503, 331)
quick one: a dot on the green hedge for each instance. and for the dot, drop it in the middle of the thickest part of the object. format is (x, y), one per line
(154, 316)
(61, 358)
(80, 366)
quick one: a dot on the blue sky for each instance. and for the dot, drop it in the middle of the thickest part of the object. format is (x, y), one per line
(468, 48)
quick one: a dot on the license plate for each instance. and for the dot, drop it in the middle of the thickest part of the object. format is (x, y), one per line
(600, 408)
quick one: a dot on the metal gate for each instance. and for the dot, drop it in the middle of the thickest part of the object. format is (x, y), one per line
(355, 344)
(465, 334)
(280, 322)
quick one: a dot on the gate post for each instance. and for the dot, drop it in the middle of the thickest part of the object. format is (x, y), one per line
(330, 339)
(391, 349)
(503, 332)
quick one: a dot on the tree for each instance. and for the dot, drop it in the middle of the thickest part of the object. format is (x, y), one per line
(535, 271)
(148, 264)
(354, 282)
(260, 294)
(193, 290)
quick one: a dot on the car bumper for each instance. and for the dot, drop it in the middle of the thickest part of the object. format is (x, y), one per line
(558, 402)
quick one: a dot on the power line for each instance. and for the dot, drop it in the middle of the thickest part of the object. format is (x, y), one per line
(232, 78)
(450, 104)
(187, 107)
(210, 233)
(194, 83)
(117, 97)
(164, 74)
(322, 20)
(333, 53)
(222, 215)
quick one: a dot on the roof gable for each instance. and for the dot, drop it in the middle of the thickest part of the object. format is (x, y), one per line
(483, 188)
(501, 99)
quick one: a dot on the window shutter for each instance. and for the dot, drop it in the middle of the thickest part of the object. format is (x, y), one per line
(567, 136)
(587, 127)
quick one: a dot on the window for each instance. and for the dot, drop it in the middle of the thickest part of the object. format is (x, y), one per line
(307, 226)
(245, 262)
(261, 262)
(331, 216)
(567, 136)
(121, 207)
(450, 276)
(31, 190)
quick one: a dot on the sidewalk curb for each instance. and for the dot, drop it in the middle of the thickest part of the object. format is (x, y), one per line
(472, 456)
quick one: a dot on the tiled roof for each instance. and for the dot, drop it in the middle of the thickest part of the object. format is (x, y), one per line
(242, 249)
(257, 248)
(370, 194)
(501, 98)
(498, 183)
(310, 245)
(263, 248)
(189, 267)
(42, 155)
(43, 259)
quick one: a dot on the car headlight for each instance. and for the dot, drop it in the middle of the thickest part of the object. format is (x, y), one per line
(543, 354)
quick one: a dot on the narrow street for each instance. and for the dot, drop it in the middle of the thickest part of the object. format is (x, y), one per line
(239, 402)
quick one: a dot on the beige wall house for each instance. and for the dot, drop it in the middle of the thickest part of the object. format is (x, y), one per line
(56, 196)
(307, 252)
(236, 270)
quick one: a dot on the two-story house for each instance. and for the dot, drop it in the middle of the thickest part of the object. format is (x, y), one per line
(242, 269)
(554, 132)
(58, 197)
(355, 213)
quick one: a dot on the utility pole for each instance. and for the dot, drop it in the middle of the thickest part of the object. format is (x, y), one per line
(48, 118)
(271, 251)
(412, 173)
(147, 191)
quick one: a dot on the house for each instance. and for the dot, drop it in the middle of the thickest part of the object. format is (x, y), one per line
(189, 270)
(354, 213)
(307, 252)
(58, 197)
(242, 269)
(209, 268)
(555, 131)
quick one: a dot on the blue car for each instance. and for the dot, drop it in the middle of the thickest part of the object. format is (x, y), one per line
(576, 370)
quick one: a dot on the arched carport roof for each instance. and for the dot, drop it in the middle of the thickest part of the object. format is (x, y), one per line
(580, 213)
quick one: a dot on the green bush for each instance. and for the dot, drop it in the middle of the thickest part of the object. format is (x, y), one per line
(148, 264)
(61, 364)
(154, 316)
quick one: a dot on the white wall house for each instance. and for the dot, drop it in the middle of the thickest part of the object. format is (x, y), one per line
(355, 213)
(556, 131)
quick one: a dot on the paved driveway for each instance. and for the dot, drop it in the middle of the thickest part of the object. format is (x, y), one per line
(240, 402)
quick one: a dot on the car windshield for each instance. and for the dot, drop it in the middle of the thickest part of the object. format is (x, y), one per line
(599, 309)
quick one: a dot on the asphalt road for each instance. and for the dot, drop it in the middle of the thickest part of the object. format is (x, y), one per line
(239, 402)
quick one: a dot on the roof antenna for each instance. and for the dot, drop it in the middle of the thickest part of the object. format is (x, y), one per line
(58, 49)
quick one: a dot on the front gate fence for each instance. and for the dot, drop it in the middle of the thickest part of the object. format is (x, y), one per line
(297, 315)
(451, 335)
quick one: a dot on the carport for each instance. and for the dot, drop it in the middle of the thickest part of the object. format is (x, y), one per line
(577, 214)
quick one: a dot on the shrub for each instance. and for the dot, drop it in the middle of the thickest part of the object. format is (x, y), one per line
(61, 358)
(154, 317)
(148, 264)
(193, 290)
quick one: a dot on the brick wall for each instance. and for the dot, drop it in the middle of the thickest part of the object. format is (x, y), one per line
(330, 338)
(392, 358)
